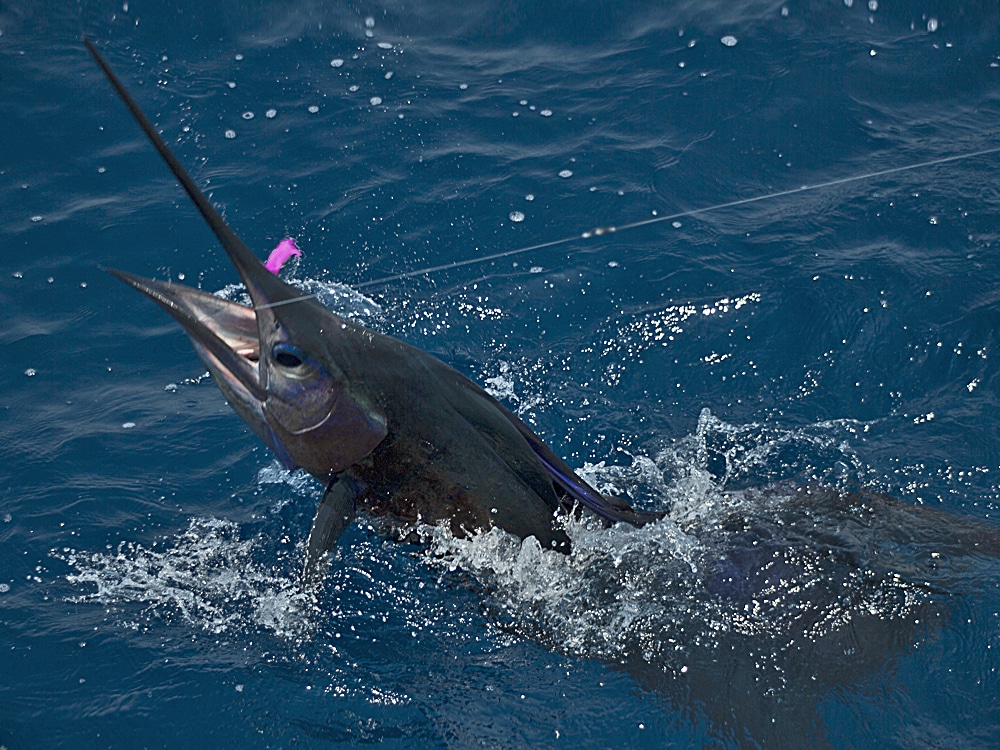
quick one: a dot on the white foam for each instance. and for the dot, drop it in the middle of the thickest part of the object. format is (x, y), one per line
(205, 575)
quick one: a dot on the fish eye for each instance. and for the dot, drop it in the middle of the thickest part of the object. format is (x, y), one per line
(287, 356)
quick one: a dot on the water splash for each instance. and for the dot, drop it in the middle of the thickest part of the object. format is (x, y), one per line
(207, 576)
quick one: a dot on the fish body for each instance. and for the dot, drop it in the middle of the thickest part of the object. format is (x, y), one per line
(388, 428)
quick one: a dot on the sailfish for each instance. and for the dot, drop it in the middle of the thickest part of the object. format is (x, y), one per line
(390, 430)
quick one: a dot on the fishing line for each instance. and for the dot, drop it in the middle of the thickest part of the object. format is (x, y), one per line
(601, 231)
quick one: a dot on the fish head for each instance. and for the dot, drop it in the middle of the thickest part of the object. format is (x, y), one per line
(277, 363)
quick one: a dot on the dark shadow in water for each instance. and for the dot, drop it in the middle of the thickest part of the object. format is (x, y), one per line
(802, 591)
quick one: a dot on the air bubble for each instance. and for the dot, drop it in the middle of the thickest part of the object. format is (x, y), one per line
(375, 100)
(932, 25)
(247, 115)
(230, 134)
(566, 173)
(516, 216)
(384, 45)
(729, 40)
(313, 109)
(546, 113)
(31, 372)
(271, 114)
(336, 62)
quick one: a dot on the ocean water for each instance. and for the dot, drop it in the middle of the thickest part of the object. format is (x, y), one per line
(748, 369)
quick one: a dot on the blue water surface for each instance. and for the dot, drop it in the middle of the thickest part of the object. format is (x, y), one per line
(715, 366)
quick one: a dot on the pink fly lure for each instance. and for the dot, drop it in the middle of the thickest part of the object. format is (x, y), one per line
(280, 255)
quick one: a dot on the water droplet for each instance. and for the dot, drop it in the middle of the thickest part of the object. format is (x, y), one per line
(231, 84)
(516, 216)
(388, 75)
(515, 113)
(535, 269)
(31, 372)
(566, 173)
(239, 56)
(313, 109)
(336, 62)
(849, 3)
(384, 45)
(4, 588)
(128, 425)
(676, 225)
(369, 22)
(463, 86)
(873, 5)
(271, 114)
(529, 197)
(230, 134)
(101, 170)
(729, 40)
(353, 88)
(375, 100)
(934, 220)
(546, 113)
(523, 102)
(612, 264)
(932, 25)
(247, 115)
(37, 219)
(17, 275)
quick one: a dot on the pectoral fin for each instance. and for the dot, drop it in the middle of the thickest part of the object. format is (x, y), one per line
(335, 512)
